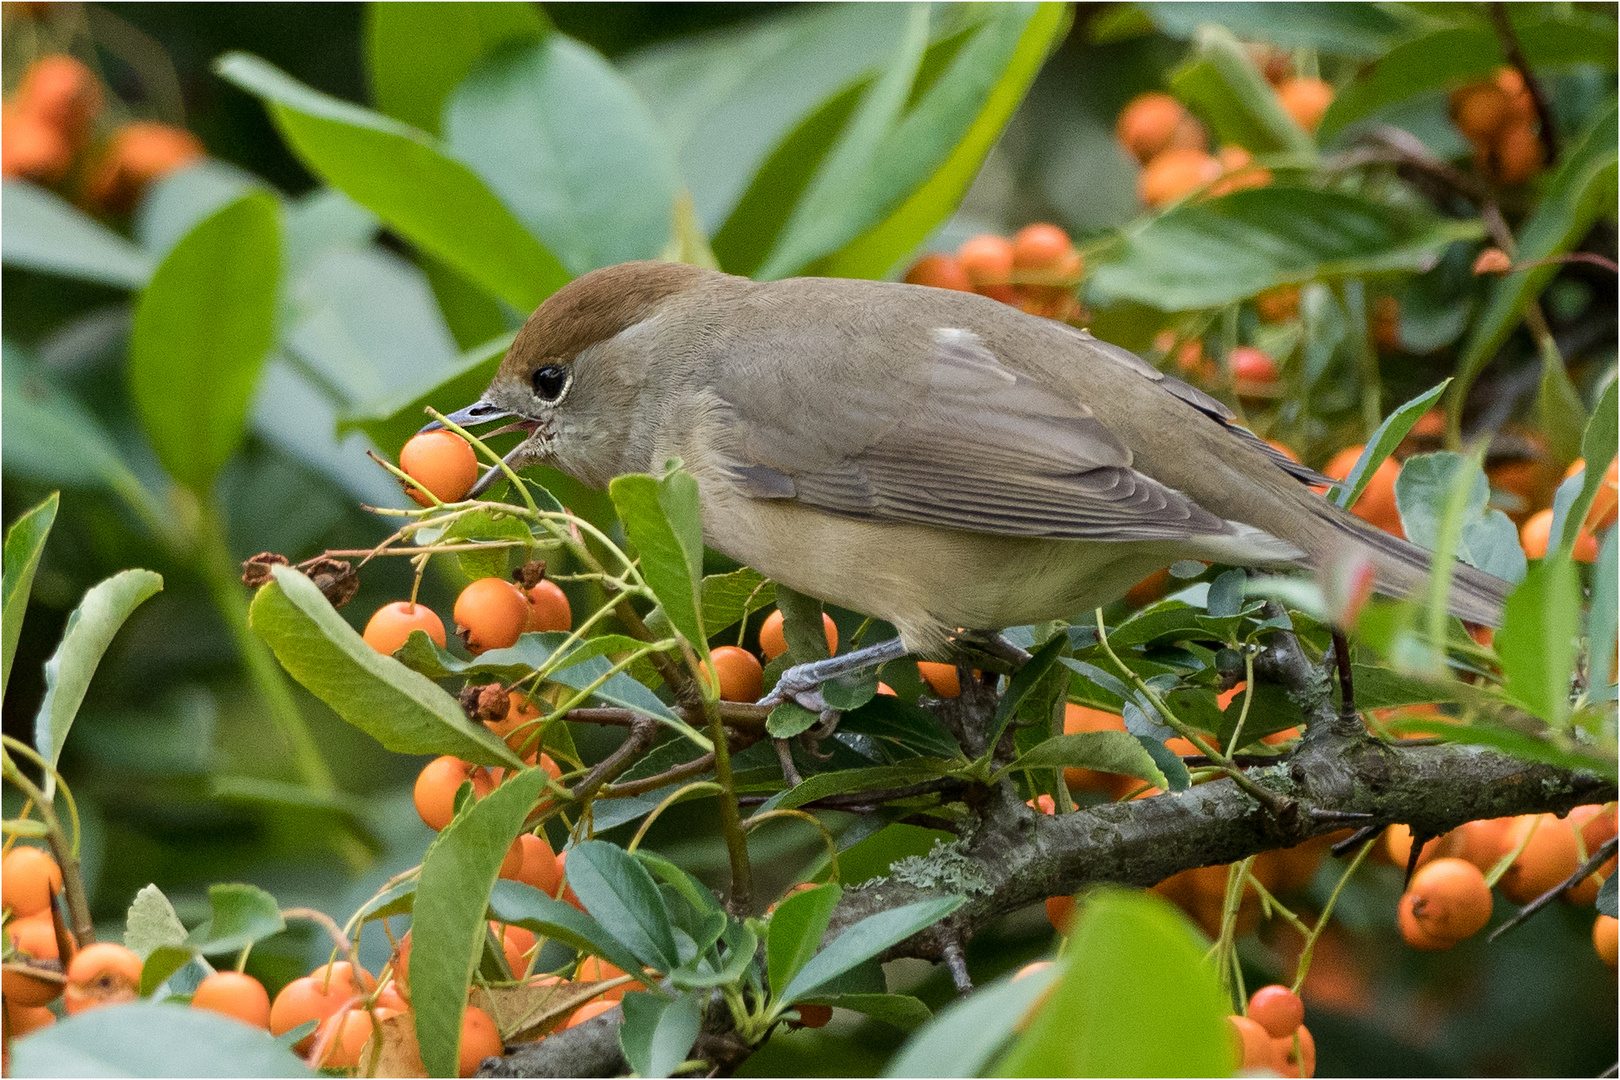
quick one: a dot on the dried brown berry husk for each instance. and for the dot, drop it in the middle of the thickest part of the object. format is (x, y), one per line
(335, 578)
(488, 702)
(530, 574)
(256, 571)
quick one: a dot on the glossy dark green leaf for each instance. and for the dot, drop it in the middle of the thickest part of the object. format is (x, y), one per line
(658, 1032)
(965, 1036)
(523, 905)
(242, 915)
(399, 174)
(1383, 443)
(447, 919)
(1489, 541)
(416, 53)
(789, 719)
(889, 718)
(1213, 253)
(161, 963)
(1024, 683)
(25, 543)
(1167, 1019)
(796, 929)
(1536, 643)
(619, 892)
(729, 598)
(1102, 751)
(401, 709)
(662, 519)
(1176, 776)
(90, 631)
(206, 322)
(487, 526)
(913, 771)
(45, 232)
(565, 142)
(144, 1038)
(864, 940)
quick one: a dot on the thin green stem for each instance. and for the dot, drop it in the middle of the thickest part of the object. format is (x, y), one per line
(742, 872)
(671, 800)
(1304, 966)
(1248, 696)
(67, 858)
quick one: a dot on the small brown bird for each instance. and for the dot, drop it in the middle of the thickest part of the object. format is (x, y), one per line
(932, 458)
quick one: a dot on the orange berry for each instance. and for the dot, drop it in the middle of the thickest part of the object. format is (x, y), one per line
(231, 993)
(1377, 503)
(1040, 246)
(1059, 911)
(512, 865)
(436, 787)
(479, 1039)
(1306, 100)
(64, 93)
(1535, 536)
(595, 969)
(1492, 260)
(568, 896)
(1521, 106)
(1044, 804)
(1449, 900)
(1150, 589)
(1252, 365)
(442, 462)
(589, 1011)
(1175, 174)
(101, 974)
(740, 674)
(1480, 111)
(515, 945)
(1301, 1061)
(140, 153)
(814, 1016)
(31, 147)
(886, 690)
(491, 613)
(1078, 719)
(986, 259)
(1252, 1045)
(1277, 1009)
(550, 608)
(35, 938)
(387, 630)
(342, 1036)
(517, 727)
(1548, 857)
(1606, 503)
(773, 640)
(939, 271)
(540, 867)
(1413, 933)
(22, 1019)
(1278, 305)
(1238, 172)
(1386, 323)
(341, 973)
(1606, 938)
(1150, 123)
(389, 997)
(1516, 154)
(29, 878)
(941, 678)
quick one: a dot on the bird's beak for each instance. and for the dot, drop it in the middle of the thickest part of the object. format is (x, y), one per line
(478, 413)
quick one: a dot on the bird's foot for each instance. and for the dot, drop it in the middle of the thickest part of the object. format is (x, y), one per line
(802, 683)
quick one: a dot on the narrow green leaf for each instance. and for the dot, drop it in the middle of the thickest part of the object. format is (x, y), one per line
(890, 719)
(1167, 1019)
(447, 919)
(399, 173)
(1602, 619)
(47, 233)
(1598, 445)
(658, 1032)
(619, 892)
(161, 963)
(1176, 776)
(796, 928)
(151, 923)
(864, 940)
(1024, 683)
(401, 709)
(661, 518)
(1383, 443)
(899, 1010)
(1360, 30)
(914, 771)
(964, 1036)
(1102, 751)
(144, 1038)
(90, 630)
(1222, 85)
(206, 322)
(730, 598)
(1608, 901)
(802, 625)
(1536, 643)
(523, 905)
(416, 53)
(242, 915)
(25, 543)
(392, 419)
(1509, 740)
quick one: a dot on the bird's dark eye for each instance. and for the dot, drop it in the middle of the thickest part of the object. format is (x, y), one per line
(550, 381)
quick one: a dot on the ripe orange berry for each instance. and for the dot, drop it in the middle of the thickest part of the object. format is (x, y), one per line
(740, 674)
(234, 994)
(1278, 305)
(1059, 911)
(1252, 365)
(1548, 857)
(594, 969)
(517, 727)
(1480, 111)
(540, 867)
(342, 1036)
(1377, 503)
(1413, 933)
(1535, 536)
(814, 1016)
(22, 1019)
(939, 271)
(341, 973)
(1516, 154)
(773, 641)
(1150, 589)
(1606, 503)
(1040, 246)
(1521, 106)
(589, 1011)
(442, 462)
(1175, 174)
(1606, 938)
(1306, 100)
(1449, 900)
(64, 93)
(1149, 124)
(1043, 804)
(491, 613)
(943, 679)
(550, 610)
(1253, 1047)
(31, 147)
(515, 945)
(101, 974)
(29, 878)
(140, 153)
(35, 938)
(436, 787)
(387, 630)
(1081, 718)
(988, 262)
(1277, 1009)
(479, 1040)
(1493, 260)
(1300, 1061)
(1238, 172)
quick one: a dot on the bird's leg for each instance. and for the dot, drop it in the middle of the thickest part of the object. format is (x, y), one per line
(993, 644)
(801, 683)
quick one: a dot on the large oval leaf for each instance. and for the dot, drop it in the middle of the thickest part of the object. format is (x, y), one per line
(619, 892)
(143, 1038)
(47, 233)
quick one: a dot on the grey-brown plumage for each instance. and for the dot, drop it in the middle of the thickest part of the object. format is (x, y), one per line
(933, 458)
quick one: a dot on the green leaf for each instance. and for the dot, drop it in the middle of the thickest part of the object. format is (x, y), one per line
(1488, 541)
(1507, 739)
(1608, 902)
(1602, 621)
(90, 630)
(864, 940)
(730, 598)
(899, 1010)
(391, 420)
(658, 1032)
(619, 892)
(1536, 643)
(401, 709)
(447, 918)
(1454, 55)
(565, 142)
(242, 915)
(1169, 762)
(985, 84)
(1166, 1019)
(1360, 30)
(803, 626)
(1580, 189)
(1222, 85)
(417, 53)
(151, 924)
(1383, 443)
(795, 932)
(1209, 254)
(789, 719)
(25, 543)
(889, 718)
(1598, 445)
(47, 233)
(662, 519)
(487, 525)
(966, 1034)
(1024, 683)
(914, 771)
(528, 907)
(399, 173)
(144, 1038)
(1103, 751)
(205, 323)
(161, 963)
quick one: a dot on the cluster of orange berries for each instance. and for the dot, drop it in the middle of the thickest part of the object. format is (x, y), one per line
(1272, 1034)
(1449, 897)
(1036, 271)
(1499, 117)
(49, 123)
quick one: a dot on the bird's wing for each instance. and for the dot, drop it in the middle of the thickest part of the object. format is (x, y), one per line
(957, 440)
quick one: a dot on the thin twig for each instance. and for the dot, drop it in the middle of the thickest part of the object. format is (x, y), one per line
(1603, 855)
(956, 962)
(1347, 690)
(696, 767)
